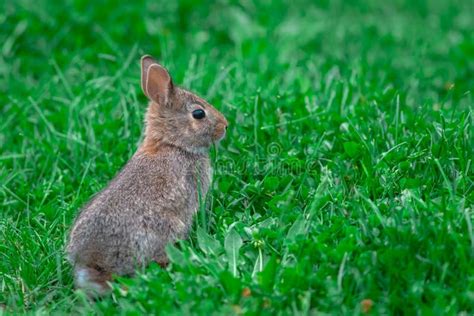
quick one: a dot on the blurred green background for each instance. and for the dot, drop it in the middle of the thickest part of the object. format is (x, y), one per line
(344, 185)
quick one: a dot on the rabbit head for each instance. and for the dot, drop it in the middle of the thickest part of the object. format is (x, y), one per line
(175, 116)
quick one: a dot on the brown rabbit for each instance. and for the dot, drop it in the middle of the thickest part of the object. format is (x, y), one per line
(151, 202)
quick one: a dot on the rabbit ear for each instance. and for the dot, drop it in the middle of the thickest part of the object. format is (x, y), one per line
(155, 80)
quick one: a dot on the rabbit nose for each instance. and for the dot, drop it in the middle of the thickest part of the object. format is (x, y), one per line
(225, 122)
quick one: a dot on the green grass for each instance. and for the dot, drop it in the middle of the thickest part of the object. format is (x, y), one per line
(346, 175)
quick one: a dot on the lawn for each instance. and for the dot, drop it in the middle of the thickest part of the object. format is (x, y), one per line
(345, 184)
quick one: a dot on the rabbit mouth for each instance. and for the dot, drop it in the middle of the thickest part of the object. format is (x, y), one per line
(219, 135)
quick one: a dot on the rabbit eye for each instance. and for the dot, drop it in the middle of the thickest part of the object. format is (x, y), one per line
(199, 114)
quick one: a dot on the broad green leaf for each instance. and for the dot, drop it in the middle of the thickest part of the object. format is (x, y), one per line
(298, 228)
(207, 243)
(271, 183)
(175, 255)
(232, 245)
(266, 278)
(231, 284)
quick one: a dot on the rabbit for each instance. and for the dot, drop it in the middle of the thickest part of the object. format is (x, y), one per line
(152, 200)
